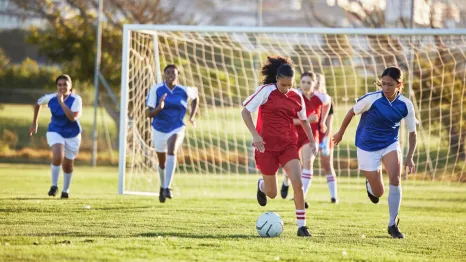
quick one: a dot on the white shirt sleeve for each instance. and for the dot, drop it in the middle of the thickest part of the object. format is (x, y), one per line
(365, 103)
(46, 99)
(77, 105)
(151, 100)
(302, 113)
(410, 119)
(192, 92)
(253, 102)
(324, 98)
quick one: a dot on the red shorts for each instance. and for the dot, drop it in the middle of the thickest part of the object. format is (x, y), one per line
(302, 139)
(322, 135)
(269, 161)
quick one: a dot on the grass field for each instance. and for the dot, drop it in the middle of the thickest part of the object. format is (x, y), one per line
(213, 218)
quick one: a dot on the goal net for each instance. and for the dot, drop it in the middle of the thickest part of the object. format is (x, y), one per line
(224, 64)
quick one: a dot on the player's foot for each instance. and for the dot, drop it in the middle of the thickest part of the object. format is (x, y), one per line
(334, 200)
(167, 192)
(53, 191)
(161, 196)
(303, 232)
(284, 191)
(306, 206)
(394, 231)
(373, 198)
(64, 195)
(261, 197)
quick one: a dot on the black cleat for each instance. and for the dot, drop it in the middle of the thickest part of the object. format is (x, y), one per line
(394, 231)
(373, 198)
(284, 191)
(306, 206)
(167, 192)
(161, 196)
(65, 195)
(261, 197)
(334, 200)
(303, 232)
(53, 191)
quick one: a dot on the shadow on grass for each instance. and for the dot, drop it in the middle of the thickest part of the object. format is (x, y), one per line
(191, 235)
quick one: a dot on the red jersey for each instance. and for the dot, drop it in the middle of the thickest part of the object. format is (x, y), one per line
(276, 113)
(313, 105)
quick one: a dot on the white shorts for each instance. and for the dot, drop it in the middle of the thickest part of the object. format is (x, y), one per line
(71, 144)
(160, 139)
(372, 161)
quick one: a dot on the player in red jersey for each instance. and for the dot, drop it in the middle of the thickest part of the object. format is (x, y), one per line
(275, 138)
(317, 106)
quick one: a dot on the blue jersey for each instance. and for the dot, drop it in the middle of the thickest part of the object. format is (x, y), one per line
(60, 123)
(380, 120)
(176, 103)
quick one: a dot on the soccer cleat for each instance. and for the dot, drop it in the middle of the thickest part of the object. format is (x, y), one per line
(64, 195)
(167, 192)
(306, 206)
(284, 191)
(161, 196)
(334, 200)
(261, 197)
(373, 198)
(53, 191)
(303, 232)
(394, 231)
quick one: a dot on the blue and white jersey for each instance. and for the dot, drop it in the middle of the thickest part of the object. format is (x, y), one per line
(176, 103)
(380, 120)
(60, 123)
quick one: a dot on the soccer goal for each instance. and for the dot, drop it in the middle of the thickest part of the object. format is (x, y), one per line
(224, 64)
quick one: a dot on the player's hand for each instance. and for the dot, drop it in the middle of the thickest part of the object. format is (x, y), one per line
(313, 118)
(409, 165)
(258, 143)
(323, 127)
(193, 122)
(33, 129)
(60, 97)
(337, 137)
(162, 101)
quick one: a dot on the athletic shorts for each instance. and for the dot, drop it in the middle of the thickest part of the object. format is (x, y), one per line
(302, 139)
(160, 139)
(269, 161)
(71, 144)
(372, 161)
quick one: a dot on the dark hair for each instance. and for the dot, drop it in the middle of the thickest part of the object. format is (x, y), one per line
(277, 66)
(66, 78)
(311, 74)
(393, 72)
(171, 66)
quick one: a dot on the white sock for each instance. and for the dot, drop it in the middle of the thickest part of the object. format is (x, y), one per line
(394, 201)
(169, 170)
(286, 180)
(369, 188)
(307, 180)
(332, 185)
(261, 185)
(162, 176)
(66, 182)
(301, 217)
(55, 174)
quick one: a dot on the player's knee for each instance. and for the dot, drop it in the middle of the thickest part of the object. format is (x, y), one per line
(395, 181)
(272, 194)
(378, 192)
(68, 169)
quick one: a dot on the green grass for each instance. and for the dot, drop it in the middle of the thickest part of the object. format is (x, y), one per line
(213, 218)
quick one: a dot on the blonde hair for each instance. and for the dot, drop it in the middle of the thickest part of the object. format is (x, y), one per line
(321, 83)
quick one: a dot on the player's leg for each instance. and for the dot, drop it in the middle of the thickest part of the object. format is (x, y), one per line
(160, 145)
(267, 162)
(57, 143)
(326, 161)
(307, 159)
(71, 152)
(285, 185)
(173, 144)
(392, 162)
(370, 163)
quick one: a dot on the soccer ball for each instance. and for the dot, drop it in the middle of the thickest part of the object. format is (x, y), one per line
(269, 224)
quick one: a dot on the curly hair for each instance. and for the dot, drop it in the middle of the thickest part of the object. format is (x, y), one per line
(270, 68)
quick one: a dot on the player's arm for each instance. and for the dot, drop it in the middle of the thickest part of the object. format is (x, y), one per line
(252, 104)
(411, 123)
(257, 140)
(307, 127)
(154, 109)
(72, 116)
(33, 128)
(193, 94)
(326, 103)
(346, 121)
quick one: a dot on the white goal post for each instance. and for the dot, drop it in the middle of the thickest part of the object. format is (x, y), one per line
(224, 64)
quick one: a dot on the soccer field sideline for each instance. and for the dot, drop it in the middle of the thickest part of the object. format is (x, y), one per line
(98, 224)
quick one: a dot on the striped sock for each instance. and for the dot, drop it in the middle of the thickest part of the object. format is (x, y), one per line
(332, 185)
(307, 180)
(301, 217)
